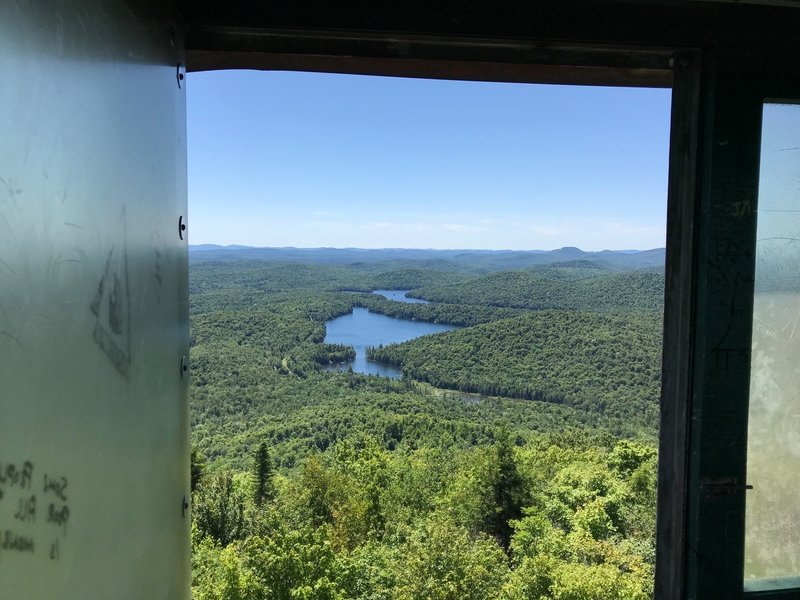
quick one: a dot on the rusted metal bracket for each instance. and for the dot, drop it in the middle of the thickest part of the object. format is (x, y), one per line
(725, 486)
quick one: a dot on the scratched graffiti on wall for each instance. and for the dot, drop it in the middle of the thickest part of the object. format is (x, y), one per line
(28, 499)
(111, 305)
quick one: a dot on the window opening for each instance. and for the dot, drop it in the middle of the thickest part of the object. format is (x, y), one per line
(340, 450)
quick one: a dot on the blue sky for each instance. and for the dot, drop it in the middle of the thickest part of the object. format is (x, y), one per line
(309, 160)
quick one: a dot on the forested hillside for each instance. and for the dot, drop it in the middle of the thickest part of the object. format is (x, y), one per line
(514, 460)
(569, 288)
(595, 362)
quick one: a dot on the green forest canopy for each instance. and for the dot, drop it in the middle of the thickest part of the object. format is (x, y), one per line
(542, 487)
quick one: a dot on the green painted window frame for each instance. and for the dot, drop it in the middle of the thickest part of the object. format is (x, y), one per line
(718, 99)
(777, 588)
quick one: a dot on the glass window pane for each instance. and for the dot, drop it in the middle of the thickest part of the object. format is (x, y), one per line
(772, 540)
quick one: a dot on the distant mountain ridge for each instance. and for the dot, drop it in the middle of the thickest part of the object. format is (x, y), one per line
(464, 259)
(202, 247)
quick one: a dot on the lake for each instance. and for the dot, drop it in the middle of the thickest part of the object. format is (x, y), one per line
(363, 328)
(399, 296)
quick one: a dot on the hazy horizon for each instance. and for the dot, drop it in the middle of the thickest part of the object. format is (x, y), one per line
(419, 248)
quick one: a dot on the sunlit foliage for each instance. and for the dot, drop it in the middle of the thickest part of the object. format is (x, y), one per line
(311, 484)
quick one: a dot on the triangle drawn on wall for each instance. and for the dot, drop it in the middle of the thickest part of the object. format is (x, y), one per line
(112, 306)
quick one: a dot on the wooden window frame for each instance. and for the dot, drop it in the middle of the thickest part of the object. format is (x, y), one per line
(717, 97)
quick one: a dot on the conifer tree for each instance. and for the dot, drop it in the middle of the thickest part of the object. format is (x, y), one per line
(197, 464)
(263, 471)
(508, 490)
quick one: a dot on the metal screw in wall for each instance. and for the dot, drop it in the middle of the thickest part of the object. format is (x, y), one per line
(181, 227)
(180, 74)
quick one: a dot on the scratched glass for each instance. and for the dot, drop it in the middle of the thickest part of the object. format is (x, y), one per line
(772, 540)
